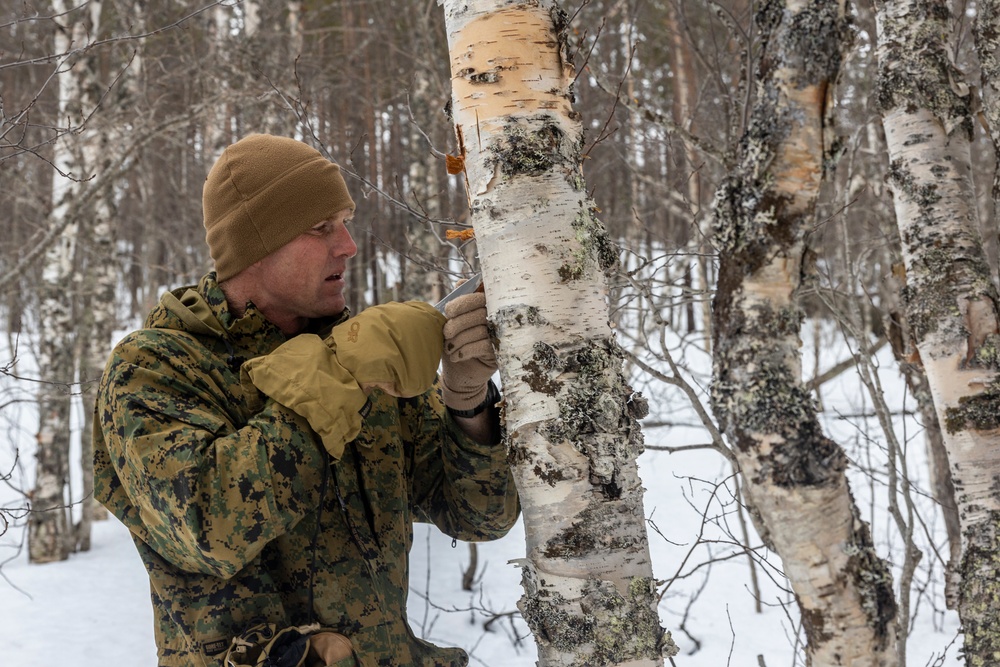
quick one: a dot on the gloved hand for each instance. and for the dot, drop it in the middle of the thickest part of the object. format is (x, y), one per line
(395, 347)
(469, 360)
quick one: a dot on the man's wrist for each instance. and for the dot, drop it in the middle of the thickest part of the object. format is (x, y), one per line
(492, 398)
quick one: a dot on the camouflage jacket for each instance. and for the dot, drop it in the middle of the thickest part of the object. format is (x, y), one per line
(239, 514)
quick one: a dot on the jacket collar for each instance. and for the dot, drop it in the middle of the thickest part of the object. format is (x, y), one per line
(203, 310)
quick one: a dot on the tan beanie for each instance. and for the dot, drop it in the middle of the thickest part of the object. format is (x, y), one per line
(262, 192)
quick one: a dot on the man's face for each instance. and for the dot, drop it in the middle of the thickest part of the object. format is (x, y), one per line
(304, 279)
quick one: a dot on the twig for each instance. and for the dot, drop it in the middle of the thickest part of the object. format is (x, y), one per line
(842, 366)
(611, 114)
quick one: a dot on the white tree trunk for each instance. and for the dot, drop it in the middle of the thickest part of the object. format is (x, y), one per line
(49, 528)
(590, 597)
(77, 157)
(951, 296)
(795, 479)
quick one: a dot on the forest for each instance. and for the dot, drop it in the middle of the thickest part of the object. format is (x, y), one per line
(670, 201)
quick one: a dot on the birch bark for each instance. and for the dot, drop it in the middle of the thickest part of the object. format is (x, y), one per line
(795, 480)
(951, 297)
(986, 33)
(99, 317)
(589, 594)
(50, 537)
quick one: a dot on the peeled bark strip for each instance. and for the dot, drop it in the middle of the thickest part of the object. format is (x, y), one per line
(590, 597)
(795, 479)
(951, 299)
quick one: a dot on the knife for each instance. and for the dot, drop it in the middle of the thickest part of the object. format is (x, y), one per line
(471, 285)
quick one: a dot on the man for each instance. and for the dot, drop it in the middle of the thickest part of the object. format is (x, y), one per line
(269, 454)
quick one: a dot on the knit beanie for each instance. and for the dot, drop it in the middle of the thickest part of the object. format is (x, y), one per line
(262, 192)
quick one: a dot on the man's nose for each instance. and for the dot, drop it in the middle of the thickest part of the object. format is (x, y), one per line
(343, 243)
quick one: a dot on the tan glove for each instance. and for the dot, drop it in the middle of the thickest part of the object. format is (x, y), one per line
(395, 347)
(304, 375)
(469, 360)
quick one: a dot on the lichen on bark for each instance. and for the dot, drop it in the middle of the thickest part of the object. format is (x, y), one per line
(980, 592)
(597, 411)
(814, 42)
(810, 42)
(744, 204)
(612, 627)
(529, 147)
(872, 580)
(947, 266)
(980, 412)
(757, 396)
(519, 316)
(542, 368)
(595, 245)
(596, 530)
(922, 63)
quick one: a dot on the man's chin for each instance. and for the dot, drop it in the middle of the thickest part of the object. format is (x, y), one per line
(334, 307)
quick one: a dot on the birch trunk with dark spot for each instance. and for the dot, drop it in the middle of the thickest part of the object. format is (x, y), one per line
(570, 417)
(794, 475)
(50, 533)
(951, 298)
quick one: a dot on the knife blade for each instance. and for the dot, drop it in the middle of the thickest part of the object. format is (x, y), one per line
(468, 287)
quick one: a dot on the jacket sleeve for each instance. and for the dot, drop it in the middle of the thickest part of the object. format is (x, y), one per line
(464, 488)
(179, 465)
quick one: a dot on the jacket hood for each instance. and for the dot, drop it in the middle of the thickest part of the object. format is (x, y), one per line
(197, 309)
(193, 311)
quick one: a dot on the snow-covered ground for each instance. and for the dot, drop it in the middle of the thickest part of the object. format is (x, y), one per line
(92, 610)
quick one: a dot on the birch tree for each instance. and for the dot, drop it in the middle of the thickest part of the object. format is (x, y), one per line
(99, 265)
(589, 593)
(951, 297)
(49, 528)
(794, 475)
(79, 278)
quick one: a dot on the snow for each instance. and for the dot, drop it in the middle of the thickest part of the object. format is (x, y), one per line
(93, 609)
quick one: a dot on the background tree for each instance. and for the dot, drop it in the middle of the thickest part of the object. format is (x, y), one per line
(951, 295)
(50, 535)
(794, 476)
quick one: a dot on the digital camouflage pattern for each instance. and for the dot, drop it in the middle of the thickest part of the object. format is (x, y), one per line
(240, 515)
